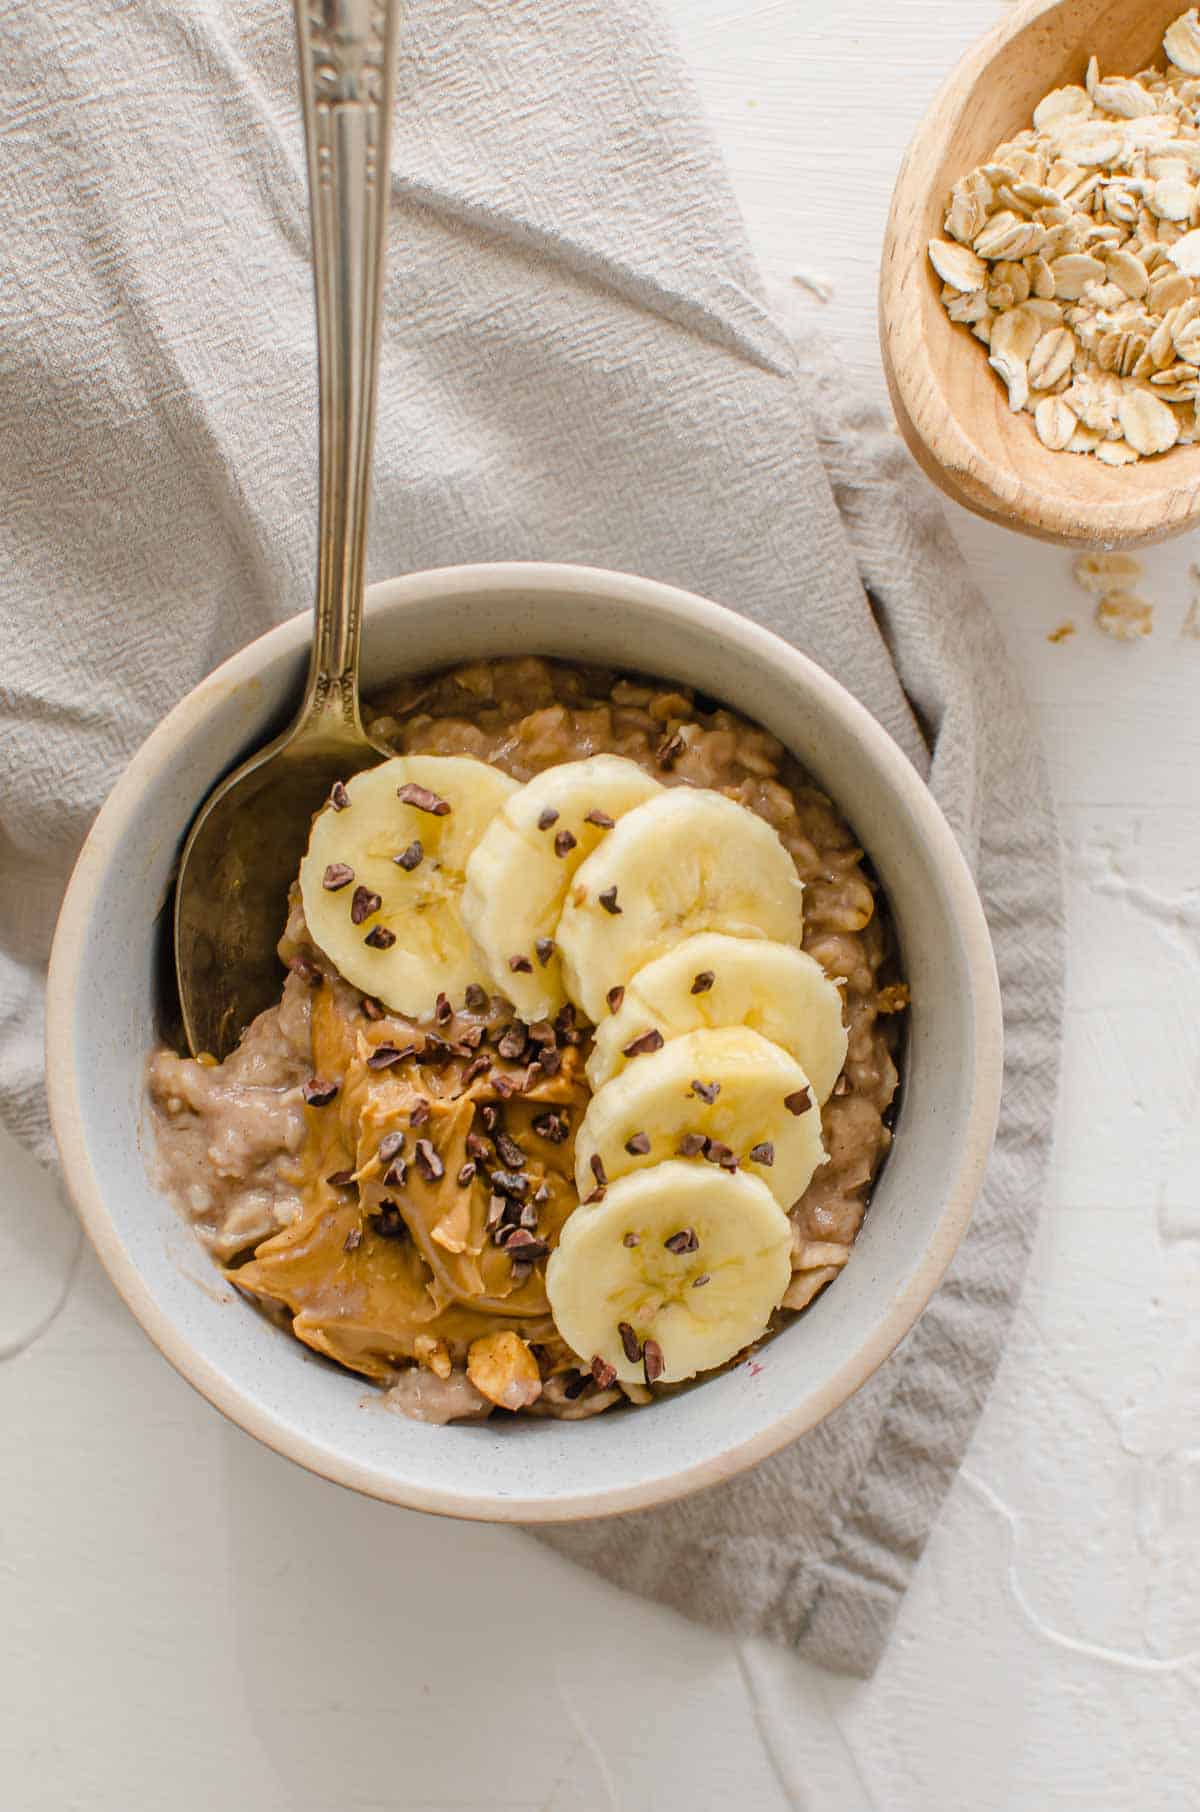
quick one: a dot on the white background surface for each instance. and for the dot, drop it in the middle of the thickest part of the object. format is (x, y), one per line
(172, 1631)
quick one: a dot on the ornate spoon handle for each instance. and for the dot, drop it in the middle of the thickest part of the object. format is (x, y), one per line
(347, 81)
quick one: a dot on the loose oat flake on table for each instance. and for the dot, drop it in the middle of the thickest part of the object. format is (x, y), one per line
(1110, 578)
(1073, 254)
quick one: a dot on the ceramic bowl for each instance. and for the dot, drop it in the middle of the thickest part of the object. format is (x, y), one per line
(101, 1025)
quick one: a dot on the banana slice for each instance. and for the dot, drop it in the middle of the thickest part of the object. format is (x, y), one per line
(383, 876)
(519, 871)
(688, 1259)
(689, 860)
(726, 1097)
(714, 980)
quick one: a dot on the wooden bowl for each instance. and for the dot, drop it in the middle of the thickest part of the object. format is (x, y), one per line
(951, 408)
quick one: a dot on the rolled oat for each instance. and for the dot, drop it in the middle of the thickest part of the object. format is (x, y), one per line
(1073, 254)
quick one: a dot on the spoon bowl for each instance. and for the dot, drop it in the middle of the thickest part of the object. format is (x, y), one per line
(241, 856)
(949, 405)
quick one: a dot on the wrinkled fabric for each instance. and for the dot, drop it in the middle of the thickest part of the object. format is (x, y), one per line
(578, 364)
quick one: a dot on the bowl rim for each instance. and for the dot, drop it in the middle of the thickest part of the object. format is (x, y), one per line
(238, 1403)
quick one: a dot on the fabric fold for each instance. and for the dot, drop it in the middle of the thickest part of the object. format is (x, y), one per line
(578, 364)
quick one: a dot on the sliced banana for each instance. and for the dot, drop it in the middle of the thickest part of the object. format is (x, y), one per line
(519, 871)
(689, 860)
(382, 879)
(714, 980)
(690, 1259)
(717, 1097)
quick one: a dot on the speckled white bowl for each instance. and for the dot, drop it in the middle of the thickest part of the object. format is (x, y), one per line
(101, 1026)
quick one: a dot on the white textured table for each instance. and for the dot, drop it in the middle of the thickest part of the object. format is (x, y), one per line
(188, 1622)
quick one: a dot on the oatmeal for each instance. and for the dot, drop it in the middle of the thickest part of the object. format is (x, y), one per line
(398, 1166)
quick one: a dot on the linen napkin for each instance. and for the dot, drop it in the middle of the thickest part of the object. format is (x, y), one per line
(578, 364)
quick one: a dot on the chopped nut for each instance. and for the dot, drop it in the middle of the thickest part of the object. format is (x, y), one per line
(363, 904)
(422, 800)
(428, 1162)
(510, 1152)
(630, 1344)
(523, 1246)
(433, 1354)
(318, 1092)
(504, 1370)
(644, 1043)
(892, 999)
(389, 1222)
(717, 1153)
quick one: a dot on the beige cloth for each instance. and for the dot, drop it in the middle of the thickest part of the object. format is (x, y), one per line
(578, 365)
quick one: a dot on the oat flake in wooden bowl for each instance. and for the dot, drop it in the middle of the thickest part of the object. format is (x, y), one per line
(1073, 254)
(949, 406)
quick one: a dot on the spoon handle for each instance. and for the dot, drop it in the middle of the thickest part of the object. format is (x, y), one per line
(347, 84)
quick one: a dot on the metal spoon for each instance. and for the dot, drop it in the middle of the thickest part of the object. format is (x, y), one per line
(245, 845)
